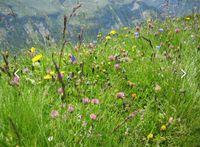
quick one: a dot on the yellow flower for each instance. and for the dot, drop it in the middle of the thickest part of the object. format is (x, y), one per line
(187, 18)
(37, 58)
(48, 77)
(33, 50)
(150, 136)
(113, 32)
(52, 73)
(126, 35)
(149, 20)
(108, 37)
(125, 28)
(163, 128)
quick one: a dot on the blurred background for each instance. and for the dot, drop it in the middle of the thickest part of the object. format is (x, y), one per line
(24, 23)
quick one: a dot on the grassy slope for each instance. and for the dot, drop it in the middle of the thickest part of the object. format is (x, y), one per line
(25, 110)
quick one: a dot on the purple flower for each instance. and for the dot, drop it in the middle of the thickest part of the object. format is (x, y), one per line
(54, 114)
(85, 100)
(70, 108)
(137, 34)
(158, 47)
(161, 30)
(120, 95)
(93, 116)
(95, 101)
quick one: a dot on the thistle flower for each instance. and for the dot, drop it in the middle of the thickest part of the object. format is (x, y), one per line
(70, 108)
(177, 30)
(111, 57)
(54, 114)
(93, 116)
(85, 100)
(120, 95)
(157, 88)
(60, 91)
(117, 66)
(95, 101)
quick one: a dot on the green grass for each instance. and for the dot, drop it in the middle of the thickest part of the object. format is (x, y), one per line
(25, 109)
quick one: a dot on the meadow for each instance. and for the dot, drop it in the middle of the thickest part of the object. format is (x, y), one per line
(137, 86)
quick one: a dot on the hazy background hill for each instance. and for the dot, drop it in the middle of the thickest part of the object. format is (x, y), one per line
(27, 22)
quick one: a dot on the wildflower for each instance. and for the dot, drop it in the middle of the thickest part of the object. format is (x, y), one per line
(113, 32)
(171, 119)
(111, 57)
(177, 30)
(25, 70)
(37, 58)
(161, 30)
(72, 59)
(50, 138)
(120, 95)
(157, 88)
(108, 37)
(117, 66)
(150, 136)
(187, 18)
(60, 91)
(93, 116)
(138, 28)
(15, 81)
(95, 101)
(85, 100)
(163, 128)
(52, 73)
(158, 47)
(137, 35)
(54, 114)
(48, 77)
(33, 50)
(70, 108)
(134, 95)
(156, 33)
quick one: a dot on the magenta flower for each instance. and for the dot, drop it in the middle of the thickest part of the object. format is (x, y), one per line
(70, 108)
(117, 66)
(120, 95)
(60, 91)
(15, 81)
(93, 116)
(54, 114)
(95, 101)
(85, 100)
(111, 58)
(177, 30)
